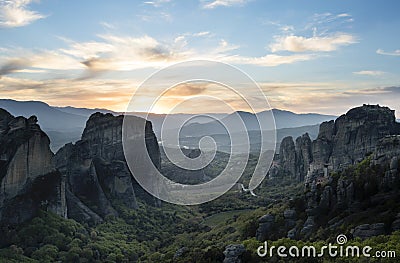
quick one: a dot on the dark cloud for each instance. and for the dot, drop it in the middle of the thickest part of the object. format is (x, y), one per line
(95, 67)
(188, 89)
(158, 53)
(12, 66)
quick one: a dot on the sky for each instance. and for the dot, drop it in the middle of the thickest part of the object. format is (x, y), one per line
(306, 55)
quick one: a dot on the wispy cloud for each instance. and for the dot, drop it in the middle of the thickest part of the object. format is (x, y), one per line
(20, 60)
(156, 3)
(226, 3)
(394, 53)
(107, 25)
(324, 22)
(15, 13)
(270, 60)
(322, 33)
(12, 66)
(201, 34)
(123, 53)
(155, 16)
(369, 72)
(105, 93)
(110, 53)
(187, 89)
(315, 43)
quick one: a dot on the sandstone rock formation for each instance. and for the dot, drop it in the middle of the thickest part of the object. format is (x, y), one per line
(96, 169)
(28, 178)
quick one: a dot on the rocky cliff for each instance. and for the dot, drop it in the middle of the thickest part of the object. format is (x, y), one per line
(96, 169)
(351, 138)
(353, 165)
(29, 180)
(294, 158)
(340, 143)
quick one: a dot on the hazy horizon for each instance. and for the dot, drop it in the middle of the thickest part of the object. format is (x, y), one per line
(121, 112)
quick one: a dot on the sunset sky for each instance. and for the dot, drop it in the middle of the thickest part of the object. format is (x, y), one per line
(306, 55)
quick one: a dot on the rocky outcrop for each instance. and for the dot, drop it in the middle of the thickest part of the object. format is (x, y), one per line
(266, 225)
(290, 217)
(369, 230)
(353, 165)
(396, 223)
(233, 253)
(351, 138)
(96, 169)
(387, 155)
(304, 155)
(308, 227)
(28, 178)
(287, 155)
(294, 158)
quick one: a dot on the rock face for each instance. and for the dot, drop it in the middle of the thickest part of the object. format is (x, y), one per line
(287, 155)
(294, 158)
(388, 154)
(28, 178)
(96, 169)
(351, 138)
(265, 226)
(367, 139)
(303, 155)
(366, 230)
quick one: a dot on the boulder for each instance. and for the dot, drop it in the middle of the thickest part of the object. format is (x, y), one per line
(265, 226)
(233, 253)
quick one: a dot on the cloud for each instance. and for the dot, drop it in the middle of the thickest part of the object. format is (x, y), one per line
(28, 61)
(94, 67)
(224, 46)
(327, 21)
(270, 60)
(124, 53)
(201, 34)
(226, 3)
(369, 72)
(157, 3)
(317, 44)
(107, 25)
(15, 13)
(12, 66)
(394, 53)
(328, 97)
(187, 89)
(155, 16)
(105, 93)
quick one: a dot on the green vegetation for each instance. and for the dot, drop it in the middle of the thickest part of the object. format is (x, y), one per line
(148, 234)
(201, 233)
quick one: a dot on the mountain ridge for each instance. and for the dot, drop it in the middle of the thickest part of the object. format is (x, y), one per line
(65, 124)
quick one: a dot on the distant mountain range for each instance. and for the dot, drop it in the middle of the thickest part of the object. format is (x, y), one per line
(283, 119)
(65, 124)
